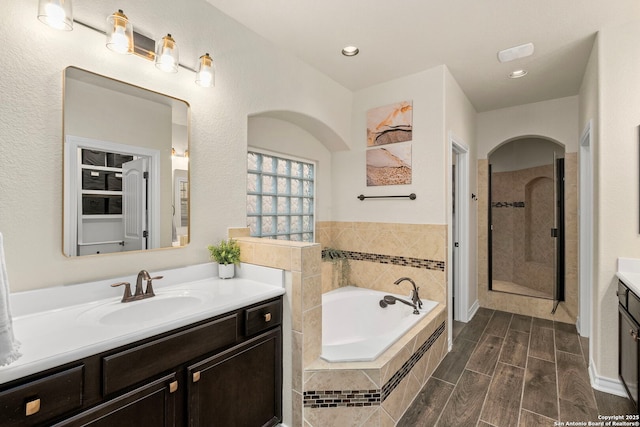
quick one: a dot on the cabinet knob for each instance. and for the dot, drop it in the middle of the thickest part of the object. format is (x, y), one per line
(173, 386)
(196, 376)
(633, 334)
(32, 407)
(267, 317)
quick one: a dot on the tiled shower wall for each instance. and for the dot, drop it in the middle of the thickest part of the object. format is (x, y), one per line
(522, 215)
(381, 253)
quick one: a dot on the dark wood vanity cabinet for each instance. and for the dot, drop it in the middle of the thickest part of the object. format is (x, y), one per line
(152, 404)
(224, 371)
(629, 341)
(239, 387)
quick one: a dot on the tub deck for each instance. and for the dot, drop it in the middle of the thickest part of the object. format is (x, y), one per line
(381, 390)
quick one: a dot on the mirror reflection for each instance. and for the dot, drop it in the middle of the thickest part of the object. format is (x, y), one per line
(126, 167)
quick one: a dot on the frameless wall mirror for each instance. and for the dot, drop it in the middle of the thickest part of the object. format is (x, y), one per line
(126, 167)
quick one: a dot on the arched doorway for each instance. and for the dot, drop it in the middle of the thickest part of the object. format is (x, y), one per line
(526, 218)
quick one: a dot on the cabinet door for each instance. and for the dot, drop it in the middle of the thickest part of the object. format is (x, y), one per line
(240, 387)
(152, 405)
(628, 354)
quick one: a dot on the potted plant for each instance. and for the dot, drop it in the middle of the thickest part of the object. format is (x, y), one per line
(227, 255)
(341, 268)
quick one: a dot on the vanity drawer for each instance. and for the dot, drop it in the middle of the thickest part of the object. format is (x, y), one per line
(622, 293)
(262, 317)
(139, 363)
(41, 400)
(633, 305)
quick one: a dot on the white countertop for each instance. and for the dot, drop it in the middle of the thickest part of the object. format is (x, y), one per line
(55, 329)
(629, 273)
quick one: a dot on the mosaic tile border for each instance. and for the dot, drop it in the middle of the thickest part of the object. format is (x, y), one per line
(507, 204)
(396, 260)
(358, 398)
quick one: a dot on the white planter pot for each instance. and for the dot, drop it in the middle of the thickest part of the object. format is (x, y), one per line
(226, 271)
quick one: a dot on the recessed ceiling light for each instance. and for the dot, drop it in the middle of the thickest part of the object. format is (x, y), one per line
(515, 52)
(517, 74)
(350, 51)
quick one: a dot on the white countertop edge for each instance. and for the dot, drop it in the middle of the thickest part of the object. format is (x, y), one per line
(629, 273)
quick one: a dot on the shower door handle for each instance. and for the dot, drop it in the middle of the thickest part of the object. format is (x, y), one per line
(554, 232)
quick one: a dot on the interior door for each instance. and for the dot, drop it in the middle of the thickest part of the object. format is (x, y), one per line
(134, 204)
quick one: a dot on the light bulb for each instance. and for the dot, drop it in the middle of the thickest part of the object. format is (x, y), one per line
(56, 14)
(119, 42)
(167, 54)
(205, 76)
(119, 33)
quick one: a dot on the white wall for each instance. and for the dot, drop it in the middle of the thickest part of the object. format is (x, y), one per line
(524, 153)
(426, 90)
(617, 97)
(252, 76)
(556, 119)
(589, 113)
(281, 137)
(460, 123)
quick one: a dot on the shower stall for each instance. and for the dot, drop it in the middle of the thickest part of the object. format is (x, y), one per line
(526, 218)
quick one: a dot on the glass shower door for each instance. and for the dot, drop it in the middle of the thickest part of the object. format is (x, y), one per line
(525, 219)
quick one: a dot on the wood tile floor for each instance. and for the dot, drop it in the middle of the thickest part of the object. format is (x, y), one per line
(507, 370)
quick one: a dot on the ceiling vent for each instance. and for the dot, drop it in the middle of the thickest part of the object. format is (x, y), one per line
(516, 52)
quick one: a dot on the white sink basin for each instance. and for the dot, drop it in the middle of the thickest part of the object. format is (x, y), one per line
(162, 307)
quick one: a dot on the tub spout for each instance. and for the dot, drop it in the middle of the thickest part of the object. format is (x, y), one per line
(390, 300)
(414, 294)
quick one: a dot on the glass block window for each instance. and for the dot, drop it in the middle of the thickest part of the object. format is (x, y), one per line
(280, 197)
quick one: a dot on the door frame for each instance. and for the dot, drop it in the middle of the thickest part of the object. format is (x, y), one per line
(585, 271)
(73, 179)
(458, 280)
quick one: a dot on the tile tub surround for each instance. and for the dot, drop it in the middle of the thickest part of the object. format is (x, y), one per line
(380, 253)
(568, 310)
(302, 316)
(302, 338)
(375, 393)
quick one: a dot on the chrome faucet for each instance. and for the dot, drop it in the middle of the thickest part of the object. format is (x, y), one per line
(414, 293)
(390, 300)
(139, 293)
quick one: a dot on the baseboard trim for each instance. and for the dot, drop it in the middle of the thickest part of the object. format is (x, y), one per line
(473, 309)
(605, 384)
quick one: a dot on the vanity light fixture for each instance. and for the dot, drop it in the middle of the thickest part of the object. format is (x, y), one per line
(350, 51)
(56, 14)
(205, 76)
(517, 74)
(122, 39)
(174, 153)
(167, 55)
(119, 33)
